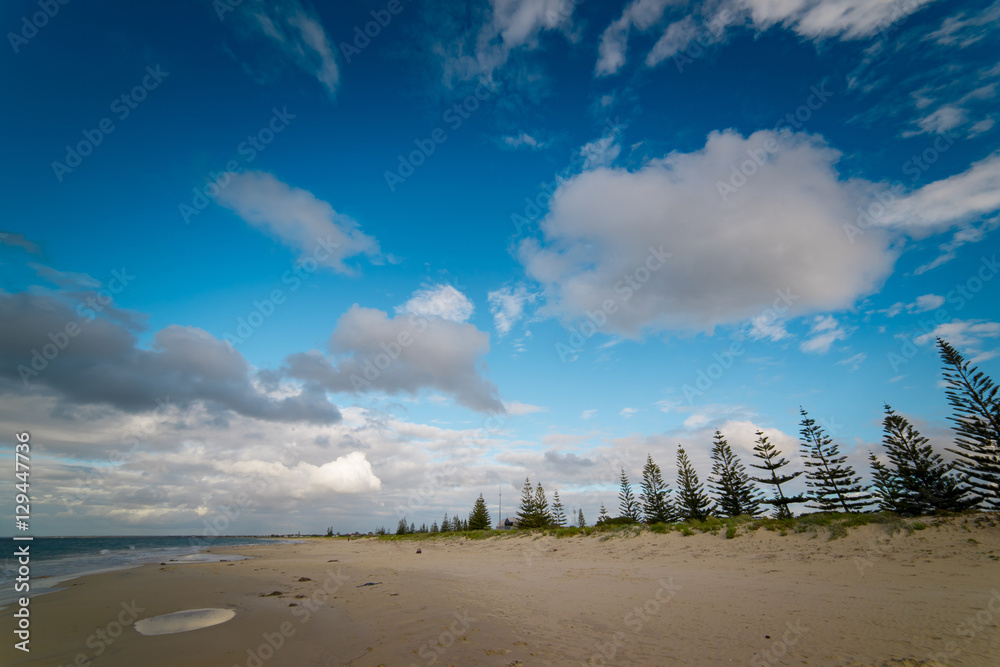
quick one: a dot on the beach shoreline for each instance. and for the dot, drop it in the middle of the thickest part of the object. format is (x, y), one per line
(762, 598)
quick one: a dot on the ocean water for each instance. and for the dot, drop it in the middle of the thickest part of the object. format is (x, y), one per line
(55, 560)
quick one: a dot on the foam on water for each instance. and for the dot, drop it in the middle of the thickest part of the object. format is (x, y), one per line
(183, 621)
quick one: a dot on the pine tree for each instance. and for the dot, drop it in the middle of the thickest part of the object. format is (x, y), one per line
(655, 494)
(734, 492)
(976, 422)
(692, 503)
(543, 517)
(558, 514)
(526, 512)
(580, 521)
(603, 516)
(445, 524)
(628, 506)
(773, 461)
(479, 519)
(413, 528)
(434, 527)
(834, 484)
(401, 528)
(423, 528)
(926, 482)
(886, 487)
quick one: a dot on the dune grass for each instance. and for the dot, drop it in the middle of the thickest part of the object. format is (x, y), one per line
(834, 525)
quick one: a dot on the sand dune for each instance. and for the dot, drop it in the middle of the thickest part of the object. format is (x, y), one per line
(928, 598)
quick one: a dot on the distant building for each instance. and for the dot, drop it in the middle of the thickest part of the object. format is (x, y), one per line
(508, 524)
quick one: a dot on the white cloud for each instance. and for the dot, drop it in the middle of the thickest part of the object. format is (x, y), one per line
(628, 412)
(587, 414)
(439, 301)
(517, 408)
(975, 338)
(782, 231)
(708, 22)
(351, 473)
(962, 31)
(763, 326)
(297, 218)
(949, 202)
(675, 39)
(922, 304)
(507, 306)
(511, 25)
(600, 152)
(641, 14)
(854, 362)
(940, 121)
(696, 420)
(298, 33)
(823, 19)
(825, 331)
(522, 140)
(408, 353)
(981, 127)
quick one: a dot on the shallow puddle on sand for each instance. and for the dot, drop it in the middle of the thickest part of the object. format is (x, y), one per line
(183, 621)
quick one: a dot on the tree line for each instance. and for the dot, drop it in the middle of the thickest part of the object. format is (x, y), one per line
(916, 480)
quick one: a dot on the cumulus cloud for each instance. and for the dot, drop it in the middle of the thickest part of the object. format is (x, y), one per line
(781, 233)
(407, 353)
(439, 301)
(507, 306)
(298, 34)
(351, 473)
(103, 364)
(587, 414)
(296, 217)
(854, 362)
(628, 412)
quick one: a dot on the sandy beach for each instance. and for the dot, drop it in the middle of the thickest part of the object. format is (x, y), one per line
(930, 597)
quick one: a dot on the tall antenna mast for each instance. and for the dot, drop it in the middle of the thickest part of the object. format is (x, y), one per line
(500, 510)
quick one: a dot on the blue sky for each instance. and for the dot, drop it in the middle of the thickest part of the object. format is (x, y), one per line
(578, 233)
